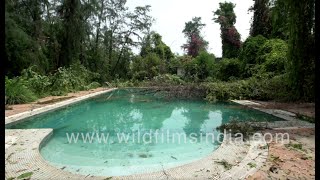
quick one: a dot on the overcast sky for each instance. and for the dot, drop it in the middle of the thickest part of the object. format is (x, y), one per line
(171, 15)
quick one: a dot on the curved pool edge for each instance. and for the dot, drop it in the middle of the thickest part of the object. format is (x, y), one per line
(20, 117)
(24, 156)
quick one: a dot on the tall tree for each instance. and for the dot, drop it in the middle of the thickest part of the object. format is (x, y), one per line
(195, 42)
(301, 47)
(152, 43)
(23, 37)
(279, 19)
(226, 17)
(261, 23)
(73, 32)
(137, 22)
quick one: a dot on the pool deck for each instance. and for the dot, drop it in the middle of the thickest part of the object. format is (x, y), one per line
(290, 119)
(23, 156)
(22, 152)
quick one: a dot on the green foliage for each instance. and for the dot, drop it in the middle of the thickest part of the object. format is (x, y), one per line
(93, 85)
(301, 50)
(252, 165)
(25, 175)
(229, 69)
(249, 52)
(225, 164)
(275, 88)
(74, 78)
(17, 92)
(280, 20)
(21, 50)
(205, 65)
(147, 67)
(294, 146)
(226, 17)
(168, 79)
(153, 43)
(261, 23)
(195, 42)
(273, 56)
(39, 84)
(32, 85)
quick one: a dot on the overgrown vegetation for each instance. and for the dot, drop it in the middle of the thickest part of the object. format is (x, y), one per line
(57, 47)
(246, 128)
(31, 85)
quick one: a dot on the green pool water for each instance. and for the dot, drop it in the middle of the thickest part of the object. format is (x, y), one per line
(122, 114)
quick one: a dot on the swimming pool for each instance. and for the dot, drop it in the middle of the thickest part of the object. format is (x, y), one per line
(127, 132)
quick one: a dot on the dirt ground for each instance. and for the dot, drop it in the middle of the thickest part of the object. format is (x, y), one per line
(307, 109)
(293, 160)
(19, 108)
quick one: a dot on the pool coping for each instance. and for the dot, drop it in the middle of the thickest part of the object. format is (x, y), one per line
(20, 117)
(38, 137)
(24, 157)
(290, 119)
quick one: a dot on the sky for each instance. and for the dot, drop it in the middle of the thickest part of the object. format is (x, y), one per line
(171, 15)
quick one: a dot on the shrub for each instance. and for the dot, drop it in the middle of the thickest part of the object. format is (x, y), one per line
(93, 85)
(17, 92)
(39, 84)
(74, 78)
(140, 75)
(250, 48)
(205, 65)
(273, 56)
(168, 79)
(229, 68)
(252, 88)
(149, 66)
(249, 52)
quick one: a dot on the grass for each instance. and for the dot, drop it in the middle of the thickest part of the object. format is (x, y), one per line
(225, 164)
(294, 146)
(252, 165)
(17, 92)
(306, 118)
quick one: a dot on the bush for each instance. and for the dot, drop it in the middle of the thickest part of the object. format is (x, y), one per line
(229, 69)
(249, 52)
(273, 56)
(275, 88)
(93, 85)
(250, 49)
(17, 92)
(71, 79)
(168, 79)
(205, 64)
(39, 84)
(149, 66)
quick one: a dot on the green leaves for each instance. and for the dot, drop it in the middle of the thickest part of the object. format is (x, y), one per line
(17, 92)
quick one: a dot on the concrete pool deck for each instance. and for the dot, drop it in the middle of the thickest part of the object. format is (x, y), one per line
(23, 146)
(23, 156)
(290, 119)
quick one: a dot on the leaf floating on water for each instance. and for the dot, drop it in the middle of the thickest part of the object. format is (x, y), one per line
(173, 157)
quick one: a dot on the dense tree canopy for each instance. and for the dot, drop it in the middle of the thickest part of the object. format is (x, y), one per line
(261, 24)
(59, 46)
(226, 17)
